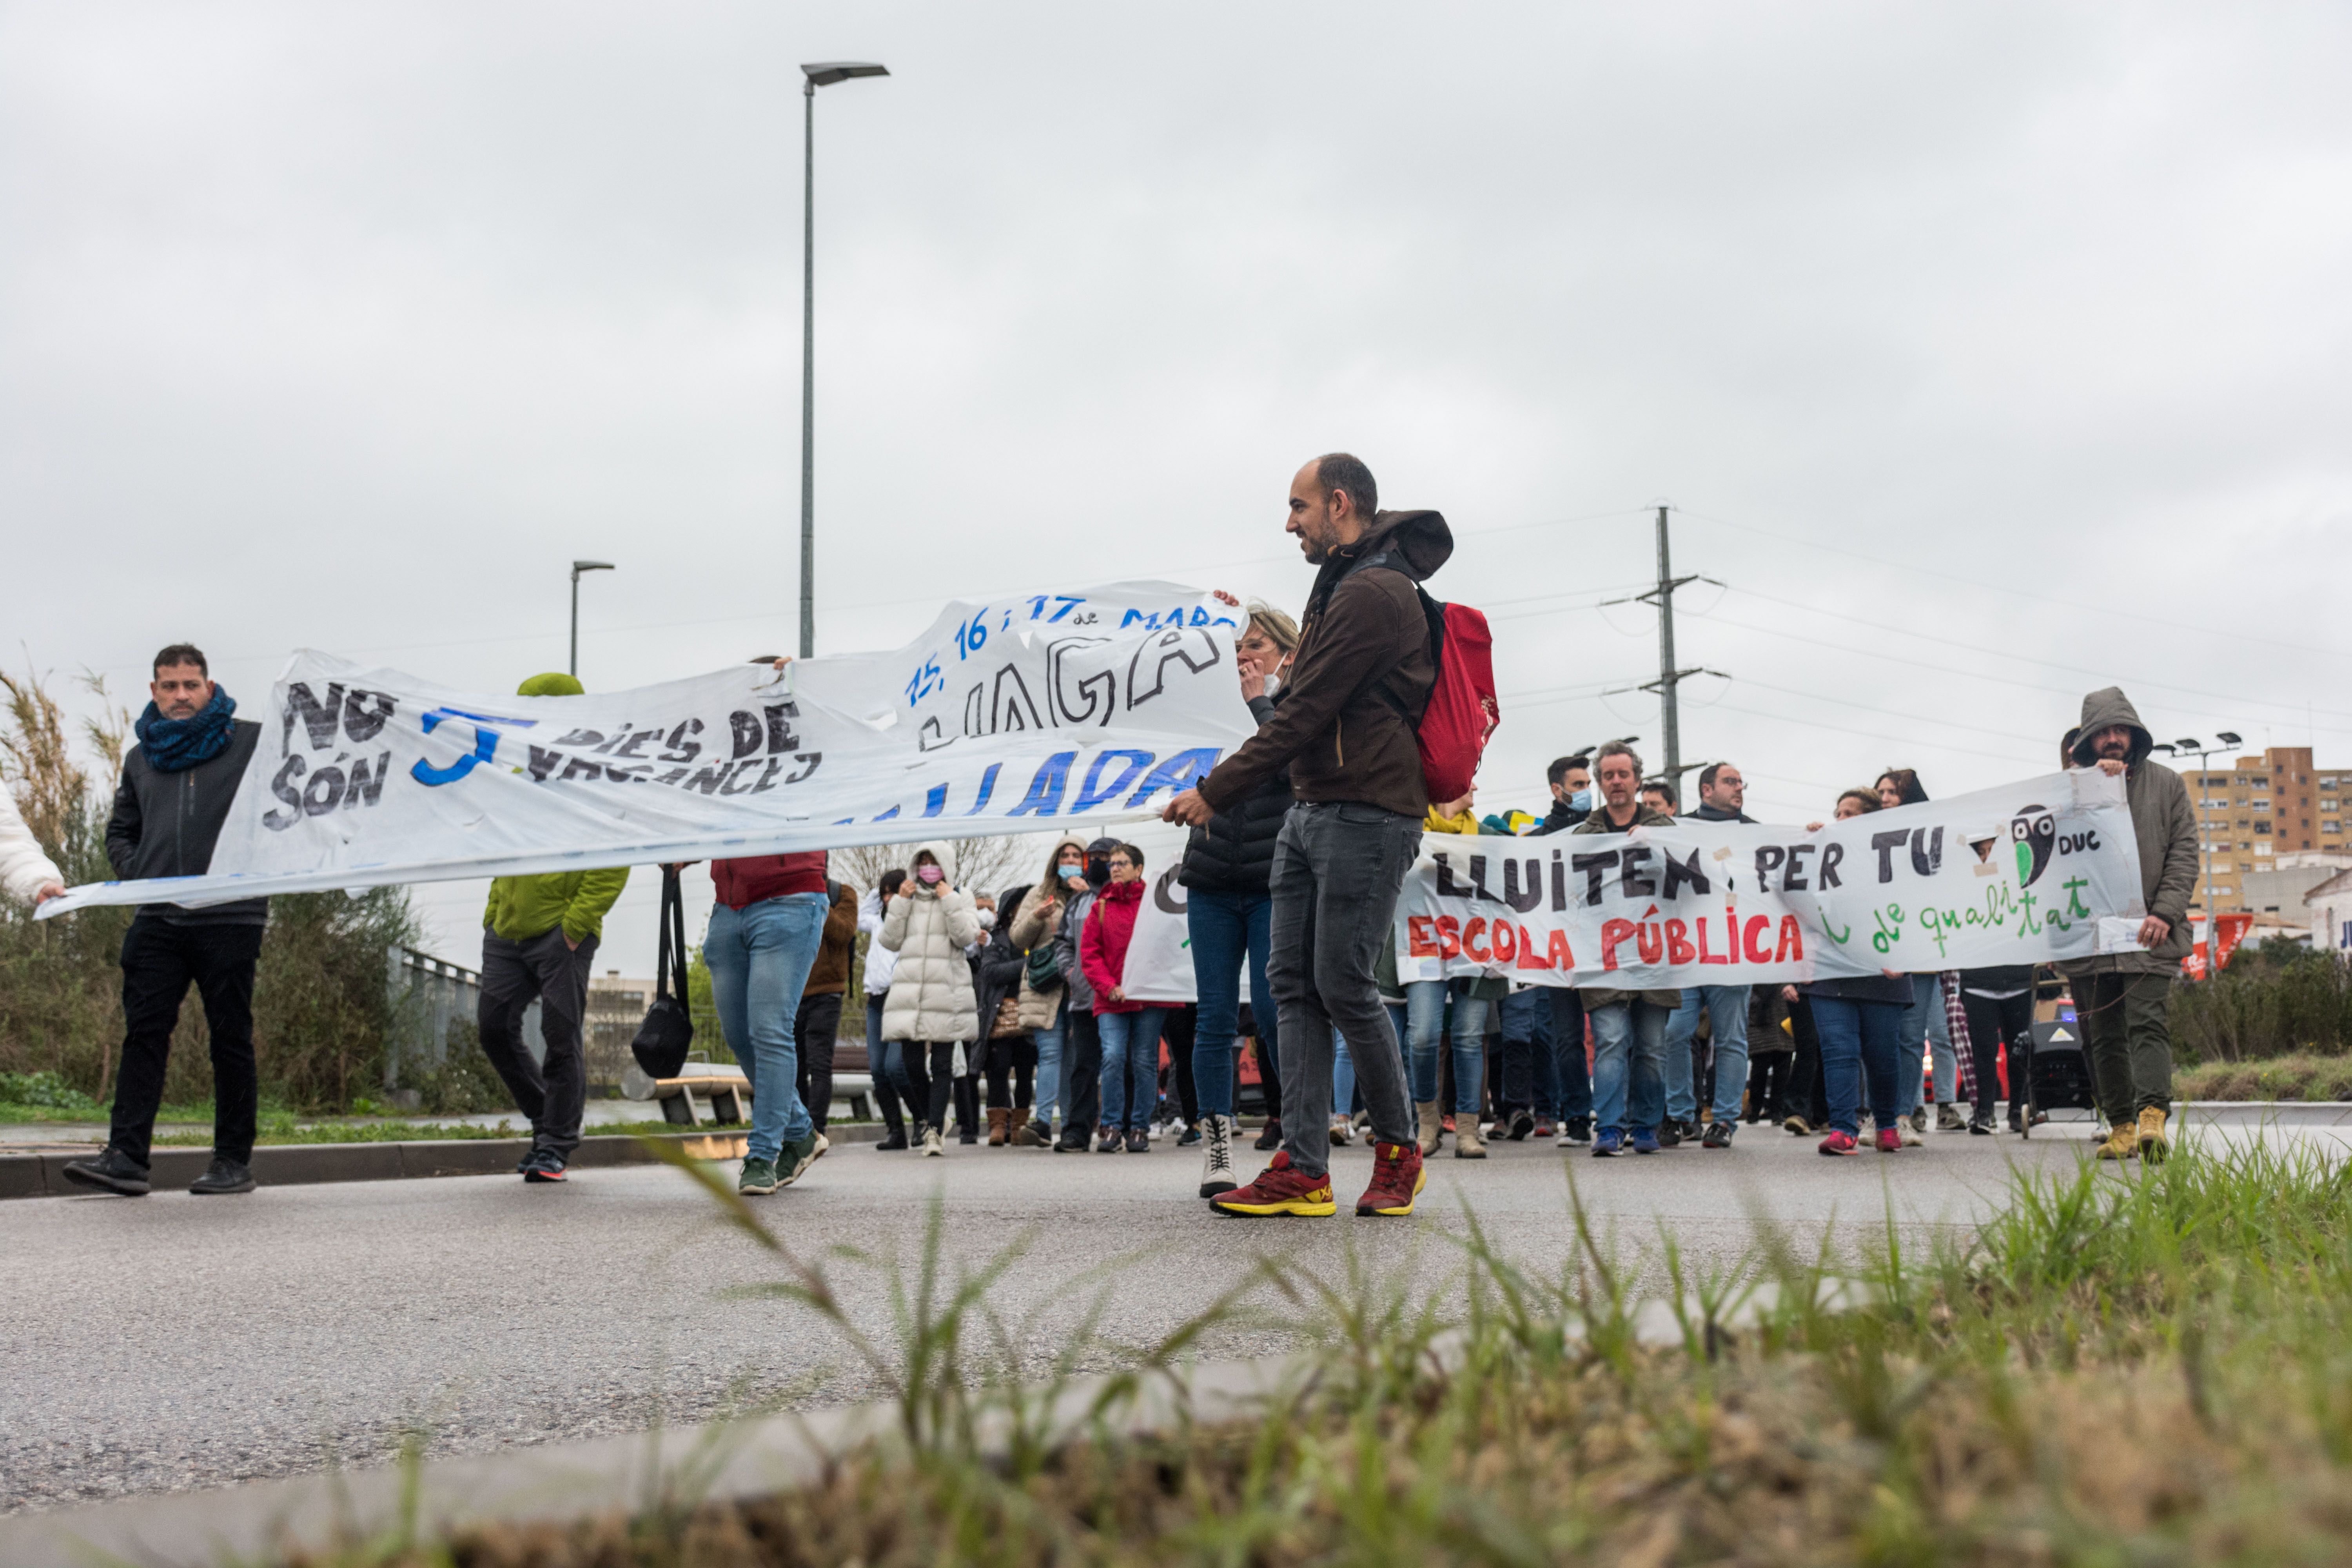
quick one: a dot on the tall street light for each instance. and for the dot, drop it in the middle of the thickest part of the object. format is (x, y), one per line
(577, 568)
(823, 75)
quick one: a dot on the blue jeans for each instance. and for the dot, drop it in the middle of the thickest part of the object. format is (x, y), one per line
(1130, 1065)
(1925, 1023)
(1049, 1063)
(759, 957)
(1870, 1034)
(1226, 928)
(1726, 1012)
(1424, 1007)
(1628, 1042)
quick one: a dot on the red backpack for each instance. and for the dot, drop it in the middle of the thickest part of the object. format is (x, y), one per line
(1463, 710)
(1462, 713)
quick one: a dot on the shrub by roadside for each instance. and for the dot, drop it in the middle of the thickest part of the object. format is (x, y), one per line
(324, 1011)
(2275, 1000)
(2300, 1077)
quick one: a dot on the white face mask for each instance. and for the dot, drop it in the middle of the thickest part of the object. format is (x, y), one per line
(987, 919)
(1273, 683)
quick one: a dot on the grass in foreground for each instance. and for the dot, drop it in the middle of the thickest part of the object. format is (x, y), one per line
(2150, 1368)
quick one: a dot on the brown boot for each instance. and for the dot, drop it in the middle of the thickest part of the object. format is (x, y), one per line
(1467, 1143)
(2153, 1144)
(1432, 1127)
(1000, 1126)
(2122, 1141)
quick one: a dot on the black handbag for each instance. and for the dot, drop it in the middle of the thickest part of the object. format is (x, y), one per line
(1044, 965)
(668, 1030)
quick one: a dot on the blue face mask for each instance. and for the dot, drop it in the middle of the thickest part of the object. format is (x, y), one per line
(1580, 801)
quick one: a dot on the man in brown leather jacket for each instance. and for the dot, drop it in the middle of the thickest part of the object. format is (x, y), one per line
(1346, 730)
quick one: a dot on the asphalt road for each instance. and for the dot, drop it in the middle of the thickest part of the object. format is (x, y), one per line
(168, 1342)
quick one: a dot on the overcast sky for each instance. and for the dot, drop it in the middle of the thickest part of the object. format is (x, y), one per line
(1988, 354)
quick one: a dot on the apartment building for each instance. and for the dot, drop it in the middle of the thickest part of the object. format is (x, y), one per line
(2278, 803)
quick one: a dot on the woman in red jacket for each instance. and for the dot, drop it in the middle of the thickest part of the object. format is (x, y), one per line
(763, 939)
(1131, 1031)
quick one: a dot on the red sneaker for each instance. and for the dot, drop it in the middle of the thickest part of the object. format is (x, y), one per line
(1890, 1141)
(1839, 1142)
(1279, 1190)
(1397, 1179)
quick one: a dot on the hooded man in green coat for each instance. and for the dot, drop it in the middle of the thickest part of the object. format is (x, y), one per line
(539, 941)
(2120, 998)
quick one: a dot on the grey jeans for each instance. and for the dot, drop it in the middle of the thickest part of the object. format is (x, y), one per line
(1336, 871)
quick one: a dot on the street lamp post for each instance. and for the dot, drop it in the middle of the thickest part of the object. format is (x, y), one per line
(816, 76)
(2227, 738)
(577, 568)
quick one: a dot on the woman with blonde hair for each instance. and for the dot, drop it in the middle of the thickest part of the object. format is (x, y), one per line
(1229, 914)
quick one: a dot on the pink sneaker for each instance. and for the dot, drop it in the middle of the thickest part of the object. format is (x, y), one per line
(1890, 1141)
(1839, 1142)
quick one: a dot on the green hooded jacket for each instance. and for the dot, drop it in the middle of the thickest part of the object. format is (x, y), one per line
(522, 908)
(2166, 828)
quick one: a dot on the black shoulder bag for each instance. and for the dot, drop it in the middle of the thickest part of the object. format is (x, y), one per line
(669, 1029)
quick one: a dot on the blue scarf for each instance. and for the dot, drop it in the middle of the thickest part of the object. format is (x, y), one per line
(174, 745)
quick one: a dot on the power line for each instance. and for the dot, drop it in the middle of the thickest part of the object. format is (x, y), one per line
(2021, 658)
(1943, 576)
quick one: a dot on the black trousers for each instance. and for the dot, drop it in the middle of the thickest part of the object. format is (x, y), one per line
(1178, 1028)
(932, 1065)
(967, 1101)
(1081, 1075)
(1768, 1084)
(553, 1091)
(816, 1029)
(1807, 1093)
(1995, 1022)
(160, 959)
(1012, 1071)
(1269, 1062)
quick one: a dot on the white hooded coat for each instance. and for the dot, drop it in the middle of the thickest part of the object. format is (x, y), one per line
(930, 991)
(24, 869)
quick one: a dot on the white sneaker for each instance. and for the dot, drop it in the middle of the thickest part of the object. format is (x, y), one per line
(1341, 1130)
(932, 1147)
(1908, 1133)
(1216, 1155)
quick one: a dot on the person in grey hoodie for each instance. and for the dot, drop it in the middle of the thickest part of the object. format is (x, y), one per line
(2120, 997)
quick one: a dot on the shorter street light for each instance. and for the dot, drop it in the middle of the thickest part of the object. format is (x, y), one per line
(577, 568)
(2224, 739)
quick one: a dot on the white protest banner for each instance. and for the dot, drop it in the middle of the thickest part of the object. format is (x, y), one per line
(2037, 871)
(1009, 715)
(1160, 951)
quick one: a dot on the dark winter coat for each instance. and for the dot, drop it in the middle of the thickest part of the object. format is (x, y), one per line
(1235, 852)
(2166, 827)
(166, 824)
(996, 972)
(1347, 725)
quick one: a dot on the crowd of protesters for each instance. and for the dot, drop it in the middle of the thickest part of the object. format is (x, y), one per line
(1010, 1009)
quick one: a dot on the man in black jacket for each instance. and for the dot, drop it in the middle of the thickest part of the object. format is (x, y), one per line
(1571, 778)
(1346, 733)
(177, 783)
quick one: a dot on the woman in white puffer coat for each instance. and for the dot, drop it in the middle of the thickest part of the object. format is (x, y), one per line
(930, 925)
(25, 870)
